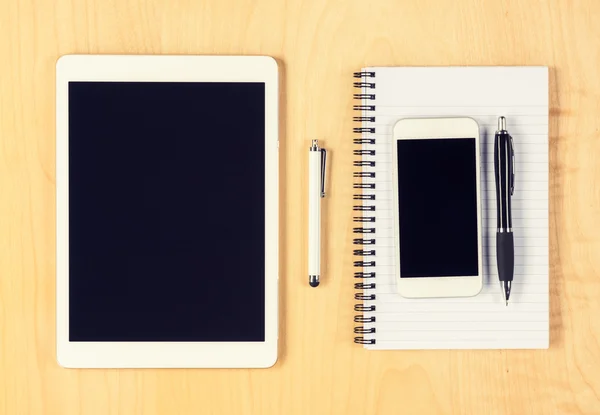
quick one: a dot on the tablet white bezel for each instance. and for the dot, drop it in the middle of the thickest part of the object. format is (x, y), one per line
(427, 129)
(168, 69)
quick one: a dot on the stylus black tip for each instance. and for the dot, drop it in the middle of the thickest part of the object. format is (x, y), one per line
(313, 282)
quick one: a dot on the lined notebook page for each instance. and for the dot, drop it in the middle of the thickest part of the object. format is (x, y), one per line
(481, 322)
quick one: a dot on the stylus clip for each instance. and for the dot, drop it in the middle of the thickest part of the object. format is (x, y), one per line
(323, 162)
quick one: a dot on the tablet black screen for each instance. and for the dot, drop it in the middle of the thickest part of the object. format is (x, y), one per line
(166, 211)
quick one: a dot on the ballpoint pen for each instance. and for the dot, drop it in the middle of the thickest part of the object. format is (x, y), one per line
(504, 167)
(316, 190)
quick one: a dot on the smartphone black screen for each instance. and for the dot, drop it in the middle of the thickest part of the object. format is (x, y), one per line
(437, 207)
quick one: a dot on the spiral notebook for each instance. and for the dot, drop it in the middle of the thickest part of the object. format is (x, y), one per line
(384, 319)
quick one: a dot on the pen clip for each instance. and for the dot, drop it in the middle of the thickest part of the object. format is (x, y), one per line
(323, 161)
(512, 179)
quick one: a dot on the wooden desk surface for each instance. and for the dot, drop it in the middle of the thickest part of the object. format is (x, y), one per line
(319, 44)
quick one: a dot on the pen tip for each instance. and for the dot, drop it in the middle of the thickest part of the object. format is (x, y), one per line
(507, 303)
(313, 280)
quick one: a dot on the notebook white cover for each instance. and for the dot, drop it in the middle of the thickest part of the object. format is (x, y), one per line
(481, 322)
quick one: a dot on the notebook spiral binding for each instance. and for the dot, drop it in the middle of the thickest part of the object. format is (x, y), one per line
(365, 224)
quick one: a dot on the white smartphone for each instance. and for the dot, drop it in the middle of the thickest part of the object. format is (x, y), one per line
(437, 207)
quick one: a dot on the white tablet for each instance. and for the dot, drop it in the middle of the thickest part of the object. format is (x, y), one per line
(167, 211)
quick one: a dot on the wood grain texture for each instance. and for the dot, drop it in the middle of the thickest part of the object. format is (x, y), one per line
(318, 43)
